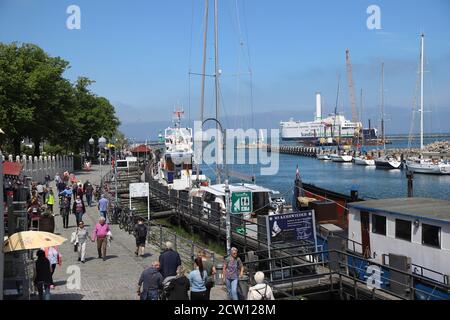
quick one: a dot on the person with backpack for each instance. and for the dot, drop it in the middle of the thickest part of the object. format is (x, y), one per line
(261, 290)
(178, 287)
(151, 283)
(140, 233)
(210, 270)
(197, 279)
(169, 260)
(78, 209)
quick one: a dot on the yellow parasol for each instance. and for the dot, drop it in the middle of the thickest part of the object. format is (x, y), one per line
(27, 240)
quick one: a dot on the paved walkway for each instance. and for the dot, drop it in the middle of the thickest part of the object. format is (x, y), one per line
(113, 279)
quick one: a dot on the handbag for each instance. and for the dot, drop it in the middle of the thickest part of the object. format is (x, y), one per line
(209, 282)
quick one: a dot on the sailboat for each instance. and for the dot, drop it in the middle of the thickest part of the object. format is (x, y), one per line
(421, 165)
(363, 159)
(386, 161)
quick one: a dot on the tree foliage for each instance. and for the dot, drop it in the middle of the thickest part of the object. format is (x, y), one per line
(37, 102)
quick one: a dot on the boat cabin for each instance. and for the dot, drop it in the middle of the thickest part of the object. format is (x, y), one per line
(260, 196)
(417, 229)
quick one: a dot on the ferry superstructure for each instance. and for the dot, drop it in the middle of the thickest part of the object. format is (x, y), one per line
(332, 126)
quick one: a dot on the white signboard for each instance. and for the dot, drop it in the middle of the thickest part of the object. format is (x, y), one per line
(139, 189)
(131, 159)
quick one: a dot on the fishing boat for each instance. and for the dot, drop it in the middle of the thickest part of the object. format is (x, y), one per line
(175, 165)
(421, 165)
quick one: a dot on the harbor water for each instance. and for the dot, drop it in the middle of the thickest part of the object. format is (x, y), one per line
(344, 177)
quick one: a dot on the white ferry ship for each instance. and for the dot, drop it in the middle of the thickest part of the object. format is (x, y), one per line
(332, 126)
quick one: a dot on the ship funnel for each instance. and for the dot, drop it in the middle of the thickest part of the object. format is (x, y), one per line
(318, 106)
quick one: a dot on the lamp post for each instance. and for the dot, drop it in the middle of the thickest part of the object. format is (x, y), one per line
(101, 145)
(91, 143)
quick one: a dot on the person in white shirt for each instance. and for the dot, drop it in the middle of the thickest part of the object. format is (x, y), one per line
(260, 291)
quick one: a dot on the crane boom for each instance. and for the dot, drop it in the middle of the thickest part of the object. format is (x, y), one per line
(350, 86)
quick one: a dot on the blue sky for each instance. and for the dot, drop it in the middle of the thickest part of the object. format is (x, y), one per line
(140, 52)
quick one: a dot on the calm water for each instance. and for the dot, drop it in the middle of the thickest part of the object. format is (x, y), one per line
(343, 177)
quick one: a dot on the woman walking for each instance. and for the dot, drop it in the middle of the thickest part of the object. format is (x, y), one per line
(53, 255)
(210, 269)
(65, 210)
(82, 235)
(78, 209)
(197, 279)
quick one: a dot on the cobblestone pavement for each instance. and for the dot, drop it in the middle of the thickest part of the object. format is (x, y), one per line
(113, 279)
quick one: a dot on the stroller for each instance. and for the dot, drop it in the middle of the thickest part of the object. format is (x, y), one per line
(164, 292)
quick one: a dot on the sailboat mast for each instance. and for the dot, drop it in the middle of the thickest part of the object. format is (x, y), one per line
(202, 96)
(361, 117)
(421, 91)
(217, 74)
(382, 106)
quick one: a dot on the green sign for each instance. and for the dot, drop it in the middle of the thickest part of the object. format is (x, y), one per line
(241, 202)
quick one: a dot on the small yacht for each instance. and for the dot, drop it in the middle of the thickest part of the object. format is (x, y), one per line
(343, 157)
(364, 160)
(323, 156)
(388, 162)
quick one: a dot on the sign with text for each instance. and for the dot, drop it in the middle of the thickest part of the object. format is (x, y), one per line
(241, 202)
(291, 227)
(140, 189)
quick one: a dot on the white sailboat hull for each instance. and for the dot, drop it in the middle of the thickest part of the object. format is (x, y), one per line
(364, 162)
(388, 164)
(341, 158)
(428, 168)
(323, 156)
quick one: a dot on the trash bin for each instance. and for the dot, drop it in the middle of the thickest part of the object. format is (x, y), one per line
(243, 287)
(219, 270)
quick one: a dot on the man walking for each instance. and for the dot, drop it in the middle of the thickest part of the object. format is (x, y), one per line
(88, 190)
(100, 233)
(103, 206)
(233, 269)
(169, 261)
(78, 209)
(140, 233)
(65, 211)
(151, 282)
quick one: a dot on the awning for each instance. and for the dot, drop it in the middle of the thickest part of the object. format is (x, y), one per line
(12, 168)
(141, 149)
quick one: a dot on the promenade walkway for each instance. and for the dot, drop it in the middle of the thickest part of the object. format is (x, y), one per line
(113, 279)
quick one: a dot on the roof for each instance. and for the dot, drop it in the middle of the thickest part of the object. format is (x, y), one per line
(141, 149)
(427, 208)
(12, 168)
(219, 189)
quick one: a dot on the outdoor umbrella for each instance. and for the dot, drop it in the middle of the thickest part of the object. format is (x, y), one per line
(27, 240)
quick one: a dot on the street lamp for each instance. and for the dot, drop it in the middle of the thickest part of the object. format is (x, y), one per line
(91, 143)
(101, 145)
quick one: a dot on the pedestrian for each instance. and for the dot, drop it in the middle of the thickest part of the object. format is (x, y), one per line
(89, 190)
(103, 204)
(78, 209)
(197, 280)
(53, 255)
(65, 211)
(151, 282)
(40, 191)
(99, 234)
(210, 269)
(82, 235)
(61, 186)
(177, 288)
(169, 260)
(67, 193)
(261, 290)
(233, 269)
(140, 233)
(50, 200)
(43, 276)
(47, 180)
(57, 178)
(74, 190)
(80, 190)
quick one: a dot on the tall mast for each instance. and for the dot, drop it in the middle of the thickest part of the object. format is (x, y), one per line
(217, 74)
(361, 117)
(382, 106)
(335, 107)
(421, 91)
(202, 96)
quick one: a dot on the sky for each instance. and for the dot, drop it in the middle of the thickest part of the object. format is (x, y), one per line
(274, 57)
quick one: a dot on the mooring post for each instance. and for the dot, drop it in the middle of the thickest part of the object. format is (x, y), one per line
(410, 177)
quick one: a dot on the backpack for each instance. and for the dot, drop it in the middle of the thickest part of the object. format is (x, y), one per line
(79, 207)
(264, 295)
(141, 231)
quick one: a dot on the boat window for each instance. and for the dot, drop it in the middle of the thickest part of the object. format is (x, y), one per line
(209, 197)
(431, 235)
(403, 229)
(121, 164)
(378, 224)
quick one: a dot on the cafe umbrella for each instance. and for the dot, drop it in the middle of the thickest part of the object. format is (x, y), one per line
(29, 240)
